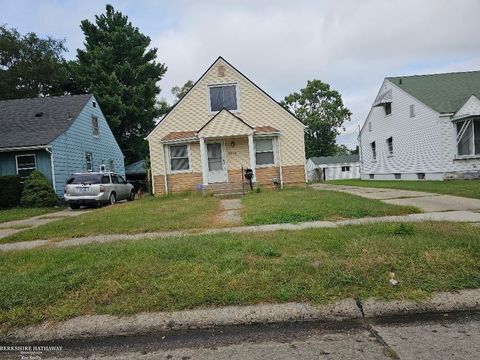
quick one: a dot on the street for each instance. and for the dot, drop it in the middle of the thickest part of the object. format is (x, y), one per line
(429, 336)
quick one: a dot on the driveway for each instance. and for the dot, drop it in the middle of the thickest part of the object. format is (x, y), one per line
(427, 202)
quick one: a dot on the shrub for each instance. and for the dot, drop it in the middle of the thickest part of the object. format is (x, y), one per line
(403, 229)
(10, 191)
(38, 192)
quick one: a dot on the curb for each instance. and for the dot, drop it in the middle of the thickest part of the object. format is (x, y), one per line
(91, 326)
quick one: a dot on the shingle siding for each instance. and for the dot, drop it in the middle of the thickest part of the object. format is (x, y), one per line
(70, 147)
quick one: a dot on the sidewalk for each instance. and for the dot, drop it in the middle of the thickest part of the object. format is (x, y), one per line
(455, 216)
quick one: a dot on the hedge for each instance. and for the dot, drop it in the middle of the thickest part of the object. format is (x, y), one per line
(38, 192)
(10, 191)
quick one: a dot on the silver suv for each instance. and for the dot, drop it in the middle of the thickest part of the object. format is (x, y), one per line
(95, 188)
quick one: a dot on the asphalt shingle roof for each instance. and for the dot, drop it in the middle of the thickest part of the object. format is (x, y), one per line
(136, 168)
(21, 124)
(445, 93)
(341, 159)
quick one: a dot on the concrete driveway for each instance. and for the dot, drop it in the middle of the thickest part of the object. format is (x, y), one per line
(427, 202)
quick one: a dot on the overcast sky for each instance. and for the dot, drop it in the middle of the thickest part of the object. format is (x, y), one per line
(281, 44)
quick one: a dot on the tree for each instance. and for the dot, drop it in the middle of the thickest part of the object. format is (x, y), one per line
(321, 109)
(341, 149)
(30, 66)
(180, 92)
(120, 69)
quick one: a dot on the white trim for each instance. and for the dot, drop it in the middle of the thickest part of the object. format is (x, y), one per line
(52, 168)
(97, 135)
(224, 160)
(273, 152)
(189, 154)
(24, 155)
(203, 159)
(237, 95)
(165, 169)
(251, 152)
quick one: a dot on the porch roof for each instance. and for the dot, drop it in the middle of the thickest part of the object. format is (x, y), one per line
(223, 124)
(180, 136)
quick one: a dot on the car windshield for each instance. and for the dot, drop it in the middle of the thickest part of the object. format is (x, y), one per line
(88, 179)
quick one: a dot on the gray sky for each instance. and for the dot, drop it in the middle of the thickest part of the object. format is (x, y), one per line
(281, 44)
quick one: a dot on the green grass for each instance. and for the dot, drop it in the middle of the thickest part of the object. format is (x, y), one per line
(183, 211)
(317, 265)
(299, 205)
(24, 213)
(466, 188)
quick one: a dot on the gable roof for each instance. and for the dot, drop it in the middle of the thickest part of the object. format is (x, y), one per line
(445, 93)
(233, 124)
(201, 77)
(38, 121)
(341, 159)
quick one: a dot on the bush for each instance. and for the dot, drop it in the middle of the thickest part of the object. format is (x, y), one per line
(10, 191)
(38, 192)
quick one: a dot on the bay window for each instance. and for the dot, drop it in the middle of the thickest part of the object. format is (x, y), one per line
(468, 137)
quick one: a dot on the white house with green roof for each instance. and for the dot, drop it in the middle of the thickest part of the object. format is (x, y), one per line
(333, 167)
(423, 127)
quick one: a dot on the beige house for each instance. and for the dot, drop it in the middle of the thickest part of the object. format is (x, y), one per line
(224, 124)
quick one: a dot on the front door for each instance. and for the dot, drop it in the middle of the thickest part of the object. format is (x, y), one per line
(216, 163)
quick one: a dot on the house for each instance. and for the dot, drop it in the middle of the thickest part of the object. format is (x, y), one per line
(423, 127)
(57, 136)
(224, 124)
(333, 167)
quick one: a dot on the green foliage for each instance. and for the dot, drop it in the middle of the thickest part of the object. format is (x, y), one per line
(30, 66)
(403, 229)
(180, 92)
(38, 192)
(10, 191)
(118, 66)
(271, 252)
(321, 109)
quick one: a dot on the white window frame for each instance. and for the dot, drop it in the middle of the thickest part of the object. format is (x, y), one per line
(346, 168)
(24, 155)
(389, 146)
(189, 154)
(274, 150)
(237, 93)
(95, 130)
(91, 160)
(385, 109)
(466, 156)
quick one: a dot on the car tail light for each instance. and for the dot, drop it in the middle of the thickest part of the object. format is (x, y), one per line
(102, 188)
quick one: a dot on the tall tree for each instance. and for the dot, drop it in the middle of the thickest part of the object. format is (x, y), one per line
(120, 69)
(30, 66)
(180, 91)
(321, 109)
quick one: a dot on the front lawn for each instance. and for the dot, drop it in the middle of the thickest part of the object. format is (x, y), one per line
(183, 211)
(299, 205)
(19, 213)
(466, 188)
(317, 265)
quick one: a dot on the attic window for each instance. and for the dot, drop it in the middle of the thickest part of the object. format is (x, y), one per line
(39, 114)
(95, 128)
(388, 108)
(223, 96)
(94, 104)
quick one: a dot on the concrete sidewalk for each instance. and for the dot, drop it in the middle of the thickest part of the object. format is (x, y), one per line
(427, 202)
(454, 216)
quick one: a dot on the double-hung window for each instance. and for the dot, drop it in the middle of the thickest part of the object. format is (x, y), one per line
(468, 137)
(264, 152)
(390, 145)
(179, 158)
(95, 127)
(89, 161)
(25, 165)
(374, 150)
(223, 96)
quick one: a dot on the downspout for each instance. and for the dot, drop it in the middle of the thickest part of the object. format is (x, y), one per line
(165, 170)
(52, 168)
(280, 161)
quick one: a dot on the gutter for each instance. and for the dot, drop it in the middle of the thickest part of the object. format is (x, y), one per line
(24, 148)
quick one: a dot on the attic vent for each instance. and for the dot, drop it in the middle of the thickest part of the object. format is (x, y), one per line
(39, 114)
(221, 70)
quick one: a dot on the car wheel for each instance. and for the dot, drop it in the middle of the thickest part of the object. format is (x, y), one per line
(132, 196)
(112, 199)
(74, 206)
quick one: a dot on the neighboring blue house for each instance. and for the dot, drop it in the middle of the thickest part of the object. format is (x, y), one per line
(58, 136)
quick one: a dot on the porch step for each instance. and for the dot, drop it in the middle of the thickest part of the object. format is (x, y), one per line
(226, 189)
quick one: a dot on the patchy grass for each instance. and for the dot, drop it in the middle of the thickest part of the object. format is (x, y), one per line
(466, 188)
(299, 205)
(317, 265)
(183, 211)
(19, 213)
